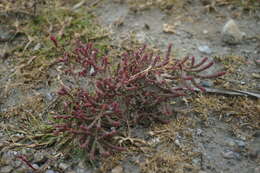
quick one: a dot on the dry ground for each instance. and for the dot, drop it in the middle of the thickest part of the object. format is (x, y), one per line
(209, 132)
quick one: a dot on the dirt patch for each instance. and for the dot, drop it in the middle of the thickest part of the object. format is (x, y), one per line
(208, 133)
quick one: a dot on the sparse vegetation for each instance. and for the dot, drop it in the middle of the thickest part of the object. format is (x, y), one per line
(123, 91)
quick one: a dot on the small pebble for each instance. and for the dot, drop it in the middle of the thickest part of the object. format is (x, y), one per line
(254, 154)
(141, 37)
(205, 31)
(205, 49)
(37, 46)
(49, 96)
(206, 83)
(6, 169)
(230, 155)
(196, 161)
(199, 132)
(71, 172)
(257, 169)
(81, 170)
(231, 33)
(39, 157)
(177, 142)
(63, 166)
(16, 163)
(49, 171)
(117, 169)
(35, 166)
(240, 143)
(202, 172)
(230, 142)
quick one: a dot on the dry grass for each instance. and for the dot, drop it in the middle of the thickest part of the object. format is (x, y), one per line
(35, 69)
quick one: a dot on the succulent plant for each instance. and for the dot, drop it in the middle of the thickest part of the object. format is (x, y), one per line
(138, 90)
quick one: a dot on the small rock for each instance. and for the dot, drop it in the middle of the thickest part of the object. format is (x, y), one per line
(39, 157)
(202, 172)
(257, 61)
(257, 133)
(6, 33)
(254, 154)
(81, 164)
(177, 142)
(231, 155)
(71, 172)
(256, 75)
(154, 141)
(196, 161)
(141, 37)
(16, 163)
(81, 170)
(257, 169)
(92, 70)
(49, 171)
(37, 46)
(78, 5)
(35, 166)
(240, 143)
(117, 169)
(49, 96)
(6, 169)
(205, 49)
(168, 28)
(23, 170)
(231, 33)
(199, 132)
(205, 31)
(8, 156)
(206, 83)
(230, 142)
(63, 166)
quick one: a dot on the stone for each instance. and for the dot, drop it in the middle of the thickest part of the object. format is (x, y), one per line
(117, 169)
(37, 46)
(240, 143)
(199, 132)
(81, 170)
(6, 33)
(35, 166)
(64, 166)
(16, 163)
(39, 157)
(231, 155)
(49, 96)
(230, 142)
(168, 28)
(6, 169)
(23, 170)
(231, 33)
(205, 49)
(8, 156)
(205, 31)
(202, 172)
(254, 154)
(50, 171)
(257, 61)
(206, 83)
(70, 172)
(196, 161)
(257, 169)
(141, 37)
